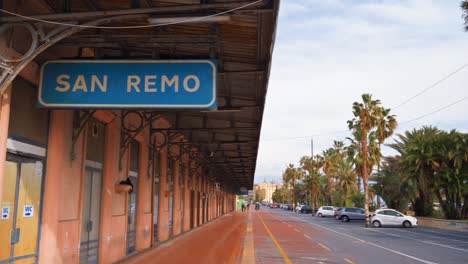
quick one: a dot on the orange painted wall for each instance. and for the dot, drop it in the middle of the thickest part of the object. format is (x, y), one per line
(109, 244)
(51, 246)
(4, 122)
(186, 223)
(163, 221)
(144, 216)
(61, 223)
(176, 216)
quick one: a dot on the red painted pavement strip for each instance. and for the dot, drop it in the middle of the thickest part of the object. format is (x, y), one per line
(218, 242)
(299, 248)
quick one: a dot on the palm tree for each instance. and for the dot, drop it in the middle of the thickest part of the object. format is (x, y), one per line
(437, 162)
(290, 176)
(417, 149)
(327, 167)
(386, 125)
(307, 165)
(354, 154)
(367, 120)
(347, 179)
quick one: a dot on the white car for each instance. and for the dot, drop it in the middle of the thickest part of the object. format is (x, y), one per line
(390, 217)
(298, 207)
(326, 211)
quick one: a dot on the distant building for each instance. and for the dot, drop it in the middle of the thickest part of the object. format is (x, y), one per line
(269, 189)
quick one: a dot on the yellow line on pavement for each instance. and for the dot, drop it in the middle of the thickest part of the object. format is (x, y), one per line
(325, 247)
(277, 244)
(296, 230)
(349, 261)
(307, 236)
(248, 253)
(289, 225)
(232, 259)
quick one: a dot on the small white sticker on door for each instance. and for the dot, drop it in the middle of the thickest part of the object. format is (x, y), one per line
(5, 212)
(38, 169)
(28, 211)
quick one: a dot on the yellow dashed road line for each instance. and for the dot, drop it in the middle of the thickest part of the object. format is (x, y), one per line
(307, 236)
(277, 244)
(325, 247)
(349, 261)
(296, 230)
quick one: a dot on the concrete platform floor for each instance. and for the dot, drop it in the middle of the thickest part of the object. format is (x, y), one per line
(217, 242)
(242, 237)
(271, 236)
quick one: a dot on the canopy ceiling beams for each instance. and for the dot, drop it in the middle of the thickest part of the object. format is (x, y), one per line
(242, 46)
(112, 10)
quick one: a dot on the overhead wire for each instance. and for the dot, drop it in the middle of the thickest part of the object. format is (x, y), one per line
(401, 104)
(402, 123)
(435, 111)
(431, 86)
(131, 27)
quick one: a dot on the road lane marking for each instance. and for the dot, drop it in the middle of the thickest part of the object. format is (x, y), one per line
(248, 253)
(289, 225)
(297, 230)
(277, 244)
(318, 260)
(370, 243)
(439, 237)
(325, 247)
(442, 233)
(307, 236)
(422, 241)
(349, 261)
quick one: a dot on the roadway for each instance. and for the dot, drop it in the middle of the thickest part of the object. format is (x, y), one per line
(285, 237)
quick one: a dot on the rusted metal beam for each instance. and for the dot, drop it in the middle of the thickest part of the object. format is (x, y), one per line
(91, 4)
(208, 129)
(30, 72)
(135, 11)
(149, 38)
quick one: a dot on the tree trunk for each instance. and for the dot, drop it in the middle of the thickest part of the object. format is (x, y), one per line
(294, 195)
(345, 198)
(442, 203)
(465, 208)
(312, 188)
(364, 173)
(282, 194)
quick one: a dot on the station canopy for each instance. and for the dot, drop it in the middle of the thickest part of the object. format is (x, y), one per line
(241, 41)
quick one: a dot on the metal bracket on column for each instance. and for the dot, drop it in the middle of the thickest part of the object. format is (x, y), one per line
(41, 40)
(178, 146)
(128, 132)
(185, 153)
(80, 119)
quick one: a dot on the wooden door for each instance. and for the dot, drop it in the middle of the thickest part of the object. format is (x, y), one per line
(19, 222)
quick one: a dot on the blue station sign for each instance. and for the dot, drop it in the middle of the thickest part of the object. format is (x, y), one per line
(134, 84)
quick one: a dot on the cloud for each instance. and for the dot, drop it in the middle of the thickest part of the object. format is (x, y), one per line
(328, 53)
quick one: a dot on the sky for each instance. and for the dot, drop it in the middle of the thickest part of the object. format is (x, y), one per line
(329, 52)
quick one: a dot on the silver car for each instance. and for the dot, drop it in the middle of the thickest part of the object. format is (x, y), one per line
(347, 214)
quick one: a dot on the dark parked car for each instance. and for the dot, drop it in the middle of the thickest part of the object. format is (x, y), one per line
(306, 209)
(351, 213)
